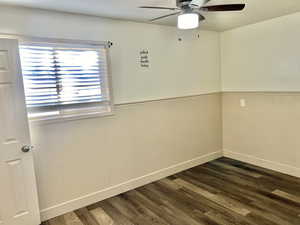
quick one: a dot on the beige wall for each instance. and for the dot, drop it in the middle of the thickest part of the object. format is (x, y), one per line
(266, 131)
(78, 158)
(263, 59)
(172, 63)
(80, 162)
(263, 56)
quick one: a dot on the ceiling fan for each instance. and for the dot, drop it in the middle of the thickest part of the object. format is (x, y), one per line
(189, 11)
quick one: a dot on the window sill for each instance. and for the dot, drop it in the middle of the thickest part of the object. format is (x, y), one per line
(70, 117)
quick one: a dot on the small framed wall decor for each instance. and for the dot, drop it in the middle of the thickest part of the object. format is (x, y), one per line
(144, 58)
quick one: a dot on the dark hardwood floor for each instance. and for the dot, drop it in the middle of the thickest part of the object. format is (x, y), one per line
(224, 191)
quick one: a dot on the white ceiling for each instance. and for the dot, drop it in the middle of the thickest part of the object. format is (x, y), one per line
(256, 10)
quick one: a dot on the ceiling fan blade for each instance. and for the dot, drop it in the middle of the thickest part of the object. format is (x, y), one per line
(161, 17)
(154, 7)
(231, 7)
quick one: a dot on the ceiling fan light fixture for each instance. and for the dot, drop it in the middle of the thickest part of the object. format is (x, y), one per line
(188, 21)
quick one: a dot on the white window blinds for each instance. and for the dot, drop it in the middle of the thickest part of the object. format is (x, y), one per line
(64, 76)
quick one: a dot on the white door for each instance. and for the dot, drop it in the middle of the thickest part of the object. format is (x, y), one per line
(18, 192)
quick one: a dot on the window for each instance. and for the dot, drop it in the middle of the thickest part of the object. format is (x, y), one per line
(65, 80)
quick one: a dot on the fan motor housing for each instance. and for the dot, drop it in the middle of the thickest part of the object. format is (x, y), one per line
(187, 3)
(182, 2)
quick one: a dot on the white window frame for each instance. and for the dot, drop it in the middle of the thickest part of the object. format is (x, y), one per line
(104, 109)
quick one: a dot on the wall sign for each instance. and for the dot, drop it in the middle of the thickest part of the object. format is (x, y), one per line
(144, 61)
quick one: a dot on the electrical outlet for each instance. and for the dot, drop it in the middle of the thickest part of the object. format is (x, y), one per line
(242, 103)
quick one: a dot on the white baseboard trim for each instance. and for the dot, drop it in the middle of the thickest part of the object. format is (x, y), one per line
(123, 187)
(283, 168)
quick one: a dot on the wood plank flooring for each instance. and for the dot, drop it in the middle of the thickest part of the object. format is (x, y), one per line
(221, 192)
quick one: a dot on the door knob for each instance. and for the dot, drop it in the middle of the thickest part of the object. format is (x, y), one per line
(26, 148)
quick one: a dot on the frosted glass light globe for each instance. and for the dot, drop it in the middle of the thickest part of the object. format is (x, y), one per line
(188, 21)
